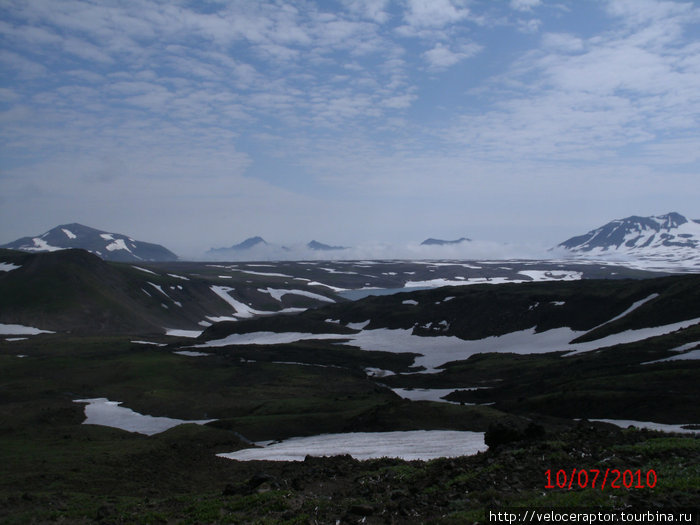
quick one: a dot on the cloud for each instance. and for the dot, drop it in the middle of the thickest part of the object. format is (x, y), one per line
(524, 5)
(434, 13)
(440, 56)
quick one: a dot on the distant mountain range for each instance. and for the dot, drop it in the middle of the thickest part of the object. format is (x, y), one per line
(249, 243)
(440, 242)
(315, 245)
(108, 246)
(257, 247)
(669, 237)
(667, 241)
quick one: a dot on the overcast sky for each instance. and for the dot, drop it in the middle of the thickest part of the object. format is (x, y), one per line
(198, 124)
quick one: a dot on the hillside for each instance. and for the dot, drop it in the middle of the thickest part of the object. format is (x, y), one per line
(76, 291)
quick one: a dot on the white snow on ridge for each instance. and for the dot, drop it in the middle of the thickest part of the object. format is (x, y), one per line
(144, 270)
(427, 394)
(102, 411)
(624, 423)
(278, 293)
(438, 350)
(18, 329)
(534, 275)
(118, 244)
(251, 272)
(8, 267)
(542, 275)
(107, 236)
(267, 338)
(175, 332)
(242, 309)
(634, 306)
(40, 245)
(69, 233)
(408, 445)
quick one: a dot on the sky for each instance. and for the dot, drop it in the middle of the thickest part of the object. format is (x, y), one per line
(197, 124)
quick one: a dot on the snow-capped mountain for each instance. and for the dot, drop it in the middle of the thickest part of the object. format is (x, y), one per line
(669, 238)
(108, 246)
(441, 242)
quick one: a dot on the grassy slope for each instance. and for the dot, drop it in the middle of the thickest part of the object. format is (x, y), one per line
(56, 468)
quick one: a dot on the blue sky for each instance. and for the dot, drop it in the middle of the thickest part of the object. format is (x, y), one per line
(198, 124)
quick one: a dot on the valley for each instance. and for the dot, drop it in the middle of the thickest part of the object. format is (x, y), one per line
(529, 365)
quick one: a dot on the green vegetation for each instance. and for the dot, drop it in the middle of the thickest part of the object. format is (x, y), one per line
(54, 468)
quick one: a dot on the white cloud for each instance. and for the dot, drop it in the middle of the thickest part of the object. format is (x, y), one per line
(435, 13)
(441, 56)
(524, 5)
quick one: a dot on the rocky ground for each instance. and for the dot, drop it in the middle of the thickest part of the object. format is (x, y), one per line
(343, 490)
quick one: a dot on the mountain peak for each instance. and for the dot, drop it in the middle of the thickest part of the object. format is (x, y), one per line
(108, 246)
(441, 242)
(315, 245)
(670, 236)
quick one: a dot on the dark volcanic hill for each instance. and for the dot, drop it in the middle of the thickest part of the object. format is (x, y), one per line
(108, 246)
(74, 290)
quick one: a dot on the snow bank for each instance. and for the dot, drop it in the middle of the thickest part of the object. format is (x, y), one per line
(18, 329)
(624, 423)
(410, 445)
(102, 411)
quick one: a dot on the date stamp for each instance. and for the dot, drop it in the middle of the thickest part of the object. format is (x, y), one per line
(610, 478)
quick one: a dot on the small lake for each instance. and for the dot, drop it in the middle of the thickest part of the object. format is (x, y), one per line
(354, 295)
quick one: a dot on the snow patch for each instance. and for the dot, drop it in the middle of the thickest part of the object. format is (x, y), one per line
(266, 338)
(242, 309)
(624, 423)
(102, 411)
(69, 233)
(8, 267)
(410, 302)
(40, 245)
(118, 244)
(18, 329)
(175, 332)
(144, 270)
(358, 326)
(408, 445)
(427, 394)
(277, 294)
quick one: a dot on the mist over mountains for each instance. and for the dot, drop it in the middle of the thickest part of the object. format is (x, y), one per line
(655, 241)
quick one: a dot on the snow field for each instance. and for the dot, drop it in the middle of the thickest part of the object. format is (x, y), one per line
(102, 411)
(409, 445)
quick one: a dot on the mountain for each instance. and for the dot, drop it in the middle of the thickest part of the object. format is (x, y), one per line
(440, 242)
(315, 245)
(669, 237)
(108, 246)
(74, 290)
(249, 243)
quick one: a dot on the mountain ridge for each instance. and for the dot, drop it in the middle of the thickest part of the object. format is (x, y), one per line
(441, 242)
(108, 246)
(670, 237)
